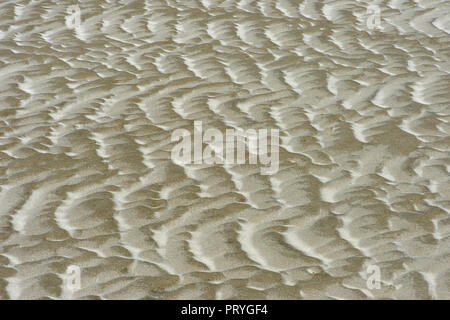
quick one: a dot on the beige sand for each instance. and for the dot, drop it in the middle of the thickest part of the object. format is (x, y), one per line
(86, 116)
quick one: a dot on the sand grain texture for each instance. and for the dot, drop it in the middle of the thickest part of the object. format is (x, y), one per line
(86, 117)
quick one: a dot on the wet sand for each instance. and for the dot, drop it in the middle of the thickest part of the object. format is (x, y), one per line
(86, 117)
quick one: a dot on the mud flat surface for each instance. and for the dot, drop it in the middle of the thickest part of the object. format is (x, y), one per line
(86, 117)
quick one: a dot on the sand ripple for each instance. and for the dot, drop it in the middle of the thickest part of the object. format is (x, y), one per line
(86, 117)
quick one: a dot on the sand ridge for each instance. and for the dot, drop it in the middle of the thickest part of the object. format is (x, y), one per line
(86, 116)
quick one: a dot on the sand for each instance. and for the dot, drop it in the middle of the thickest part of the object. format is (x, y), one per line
(87, 179)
